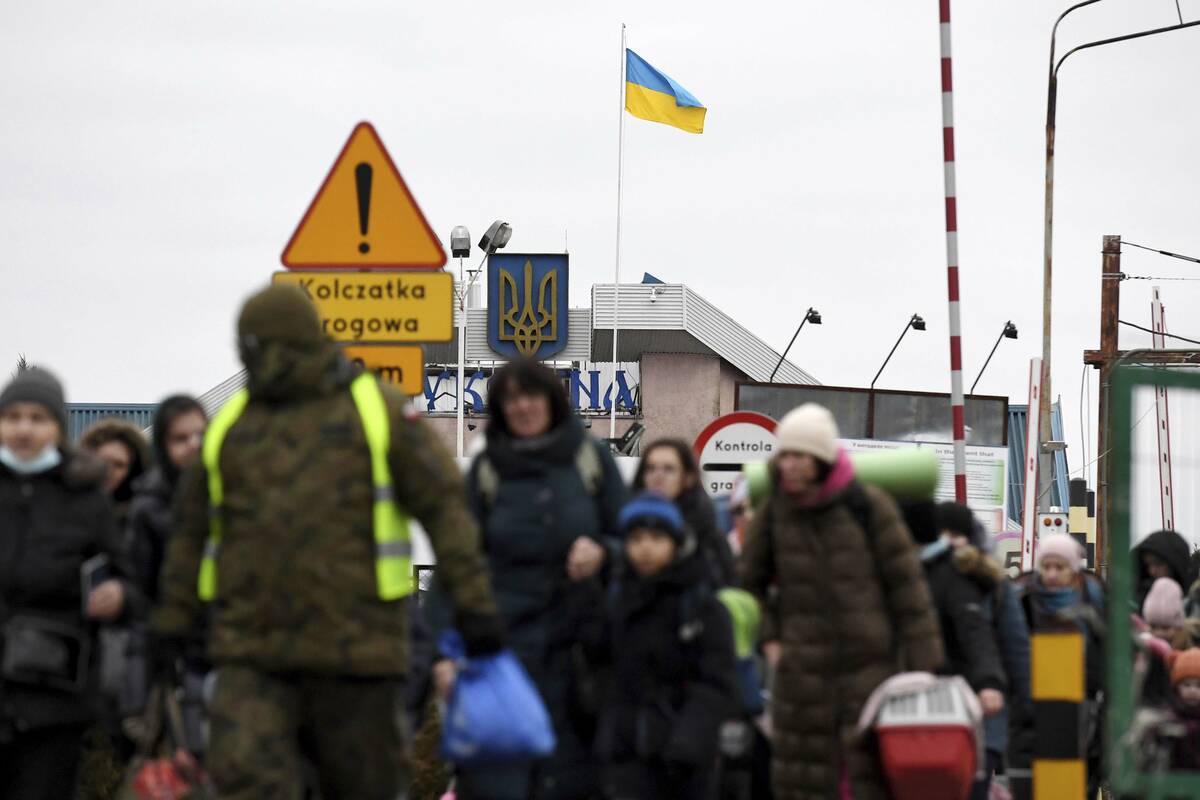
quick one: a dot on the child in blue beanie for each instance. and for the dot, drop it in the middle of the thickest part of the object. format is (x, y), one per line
(670, 644)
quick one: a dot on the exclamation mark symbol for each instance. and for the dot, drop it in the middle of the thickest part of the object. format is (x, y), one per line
(362, 180)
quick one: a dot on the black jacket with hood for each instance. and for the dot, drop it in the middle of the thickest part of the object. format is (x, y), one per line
(150, 522)
(964, 611)
(963, 605)
(50, 524)
(150, 529)
(671, 647)
(1171, 548)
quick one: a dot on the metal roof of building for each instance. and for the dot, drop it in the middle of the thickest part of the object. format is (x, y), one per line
(214, 398)
(671, 318)
(1060, 487)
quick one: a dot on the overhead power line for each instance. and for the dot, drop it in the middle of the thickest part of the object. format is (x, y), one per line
(1126, 277)
(1168, 335)
(1193, 259)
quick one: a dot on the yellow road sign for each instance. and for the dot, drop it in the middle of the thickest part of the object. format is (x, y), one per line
(392, 307)
(364, 216)
(401, 365)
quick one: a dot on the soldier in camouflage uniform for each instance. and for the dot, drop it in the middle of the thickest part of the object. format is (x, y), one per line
(309, 661)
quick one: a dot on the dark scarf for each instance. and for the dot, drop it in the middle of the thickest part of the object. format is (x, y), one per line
(529, 458)
(685, 571)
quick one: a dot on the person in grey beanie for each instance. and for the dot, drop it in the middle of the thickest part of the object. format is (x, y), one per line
(54, 520)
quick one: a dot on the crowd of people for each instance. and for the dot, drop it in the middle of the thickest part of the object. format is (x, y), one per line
(256, 560)
(1167, 669)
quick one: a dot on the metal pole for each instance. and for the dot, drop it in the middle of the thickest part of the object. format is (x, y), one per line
(889, 355)
(985, 363)
(789, 347)
(462, 352)
(1047, 246)
(957, 401)
(612, 419)
(1045, 462)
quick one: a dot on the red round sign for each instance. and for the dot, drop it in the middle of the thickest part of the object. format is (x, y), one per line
(728, 443)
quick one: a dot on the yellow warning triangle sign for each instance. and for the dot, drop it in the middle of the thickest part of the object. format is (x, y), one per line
(363, 216)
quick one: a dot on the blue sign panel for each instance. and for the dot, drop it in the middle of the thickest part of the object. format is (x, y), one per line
(527, 304)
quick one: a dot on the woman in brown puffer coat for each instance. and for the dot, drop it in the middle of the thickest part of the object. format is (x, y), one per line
(847, 607)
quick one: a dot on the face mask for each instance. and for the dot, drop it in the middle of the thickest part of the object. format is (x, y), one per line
(48, 459)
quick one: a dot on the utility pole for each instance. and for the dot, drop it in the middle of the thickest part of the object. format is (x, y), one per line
(1110, 312)
(1106, 359)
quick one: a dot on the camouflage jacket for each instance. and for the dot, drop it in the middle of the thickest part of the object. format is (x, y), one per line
(296, 569)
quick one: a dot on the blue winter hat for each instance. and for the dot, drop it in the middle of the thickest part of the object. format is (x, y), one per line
(651, 510)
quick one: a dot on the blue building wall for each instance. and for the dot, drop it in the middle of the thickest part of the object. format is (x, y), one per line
(1060, 488)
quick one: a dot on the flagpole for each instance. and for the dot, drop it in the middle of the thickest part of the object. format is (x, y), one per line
(612, 419)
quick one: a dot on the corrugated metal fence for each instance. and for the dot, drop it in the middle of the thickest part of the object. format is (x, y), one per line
(81, 416)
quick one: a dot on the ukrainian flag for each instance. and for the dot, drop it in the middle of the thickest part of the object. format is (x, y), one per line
(651, 95)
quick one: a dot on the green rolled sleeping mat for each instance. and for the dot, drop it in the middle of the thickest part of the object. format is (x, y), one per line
(906, 474)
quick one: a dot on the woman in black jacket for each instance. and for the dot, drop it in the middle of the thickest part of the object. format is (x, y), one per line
(1162, 554)
(122, 449)
(668, 468)
(54, 522)
(179, 426)
(963, 611)
(546, 496)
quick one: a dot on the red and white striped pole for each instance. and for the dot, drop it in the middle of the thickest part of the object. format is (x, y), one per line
(957, 402)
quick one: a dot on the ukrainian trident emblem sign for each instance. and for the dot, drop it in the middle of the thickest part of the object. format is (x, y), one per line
(527, 304)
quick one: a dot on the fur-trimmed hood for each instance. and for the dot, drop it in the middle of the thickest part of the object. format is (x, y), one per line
(979, 567)
(118, 430)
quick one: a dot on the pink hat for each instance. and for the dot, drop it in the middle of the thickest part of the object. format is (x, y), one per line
(1061, 545)
(1164, 604)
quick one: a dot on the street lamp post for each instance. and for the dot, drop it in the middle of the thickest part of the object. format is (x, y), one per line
(813, 316)
(1009, 332)
(460, 248)
(1044, 435)
(497, 235)
(916, 323)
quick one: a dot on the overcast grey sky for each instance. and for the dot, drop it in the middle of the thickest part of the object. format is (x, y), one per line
(155, 157)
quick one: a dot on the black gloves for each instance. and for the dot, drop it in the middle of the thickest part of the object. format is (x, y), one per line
(482, 634)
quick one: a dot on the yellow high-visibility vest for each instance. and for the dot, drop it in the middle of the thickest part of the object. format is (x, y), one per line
(393, 548)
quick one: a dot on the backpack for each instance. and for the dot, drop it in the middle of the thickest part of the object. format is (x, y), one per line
(587, 465)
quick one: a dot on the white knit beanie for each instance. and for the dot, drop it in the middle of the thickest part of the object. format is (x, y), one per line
(811, 429)
(1060, 545)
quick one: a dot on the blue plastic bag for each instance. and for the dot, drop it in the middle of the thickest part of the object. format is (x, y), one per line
(494, 713)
